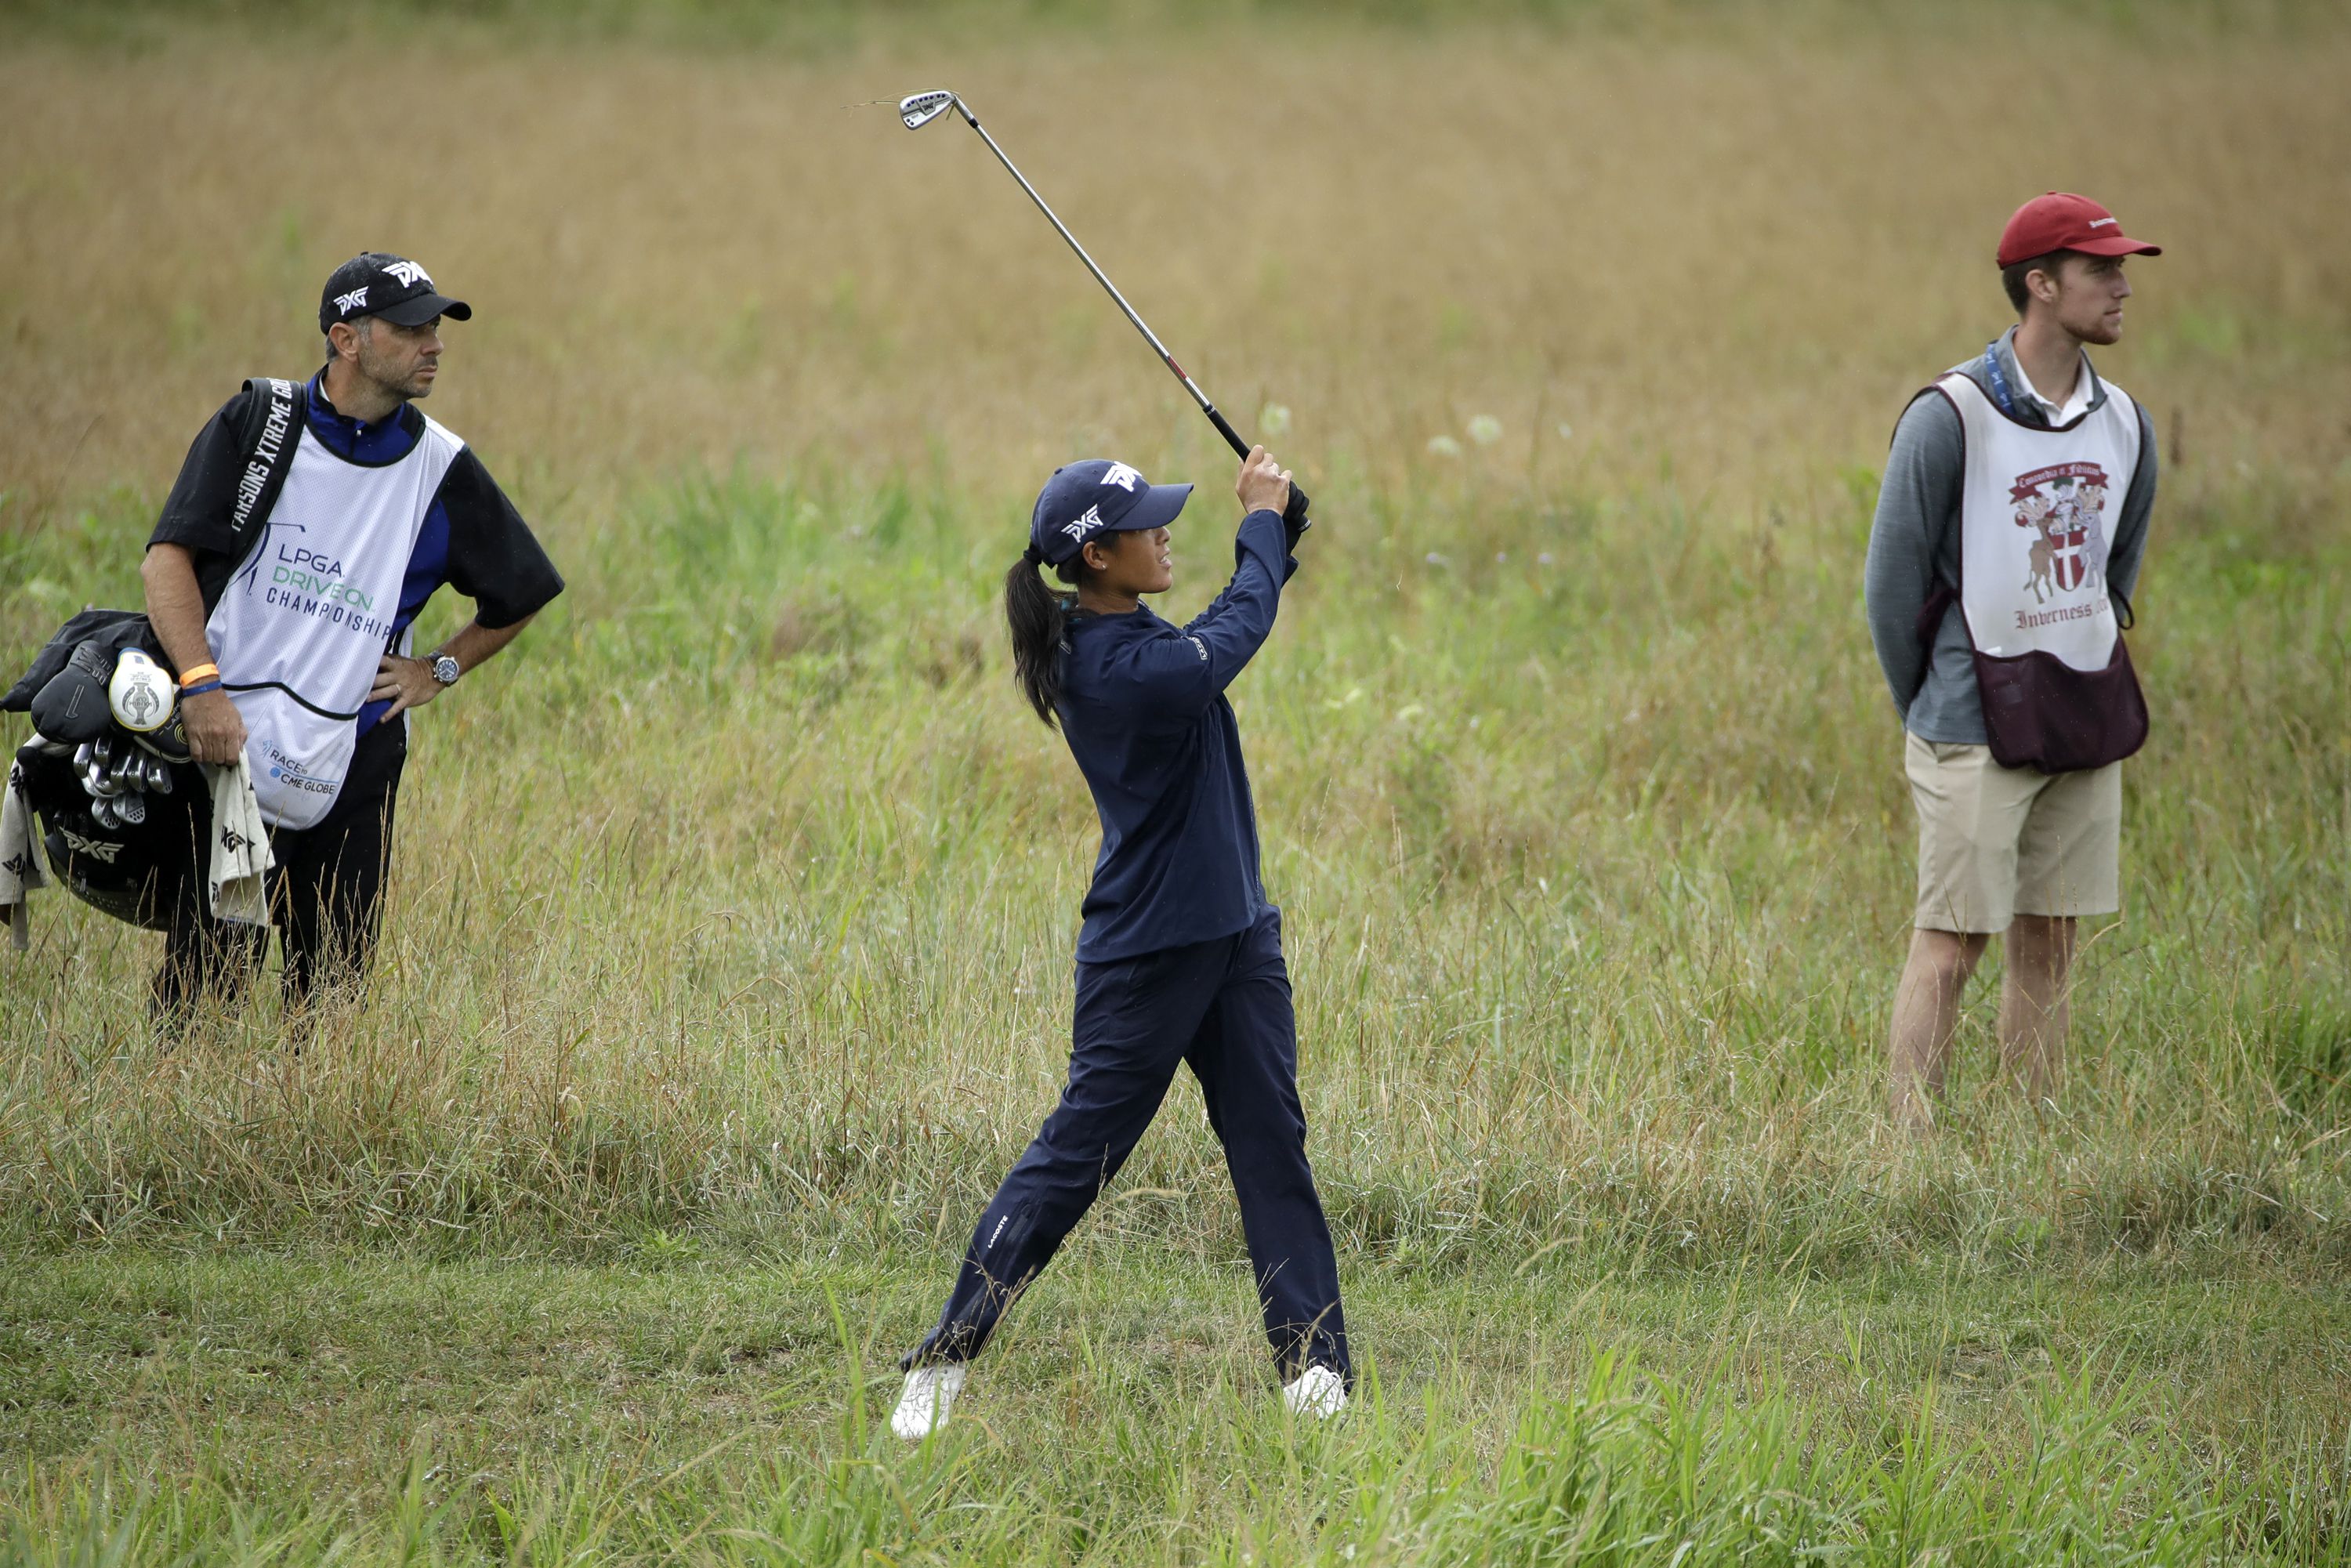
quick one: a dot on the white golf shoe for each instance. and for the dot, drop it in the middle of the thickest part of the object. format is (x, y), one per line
(923, 1408)
(1317, 1392)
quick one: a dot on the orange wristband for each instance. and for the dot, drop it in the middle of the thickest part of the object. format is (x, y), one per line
(195, 673)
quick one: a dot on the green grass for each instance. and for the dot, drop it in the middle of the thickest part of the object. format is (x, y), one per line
(727, 1412)
(728, 962)
(744, 892)
(728, 969)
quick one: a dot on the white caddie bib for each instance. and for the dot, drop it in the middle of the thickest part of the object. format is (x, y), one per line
(301, 626)
(2032, 525)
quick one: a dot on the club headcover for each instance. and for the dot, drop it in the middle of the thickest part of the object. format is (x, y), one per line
(140, 694)
(170, 743)
(73, 705)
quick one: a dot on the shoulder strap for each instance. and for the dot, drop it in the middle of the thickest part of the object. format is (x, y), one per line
(272, 422)
(1996, 380)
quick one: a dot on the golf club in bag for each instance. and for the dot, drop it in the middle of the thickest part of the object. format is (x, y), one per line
(918, 110)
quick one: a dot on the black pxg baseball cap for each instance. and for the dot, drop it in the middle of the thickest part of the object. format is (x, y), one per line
(1082, 501)
(378, 283)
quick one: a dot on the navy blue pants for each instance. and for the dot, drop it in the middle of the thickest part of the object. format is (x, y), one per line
(1222, 1008)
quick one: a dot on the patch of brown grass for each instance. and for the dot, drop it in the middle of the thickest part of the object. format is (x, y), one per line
(1727, 257)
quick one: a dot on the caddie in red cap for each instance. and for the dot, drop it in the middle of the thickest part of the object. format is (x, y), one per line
(2001, 561)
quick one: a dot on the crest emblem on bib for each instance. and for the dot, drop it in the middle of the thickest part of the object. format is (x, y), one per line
(2065, 506)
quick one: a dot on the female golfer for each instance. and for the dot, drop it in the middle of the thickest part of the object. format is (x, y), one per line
(1179, 958)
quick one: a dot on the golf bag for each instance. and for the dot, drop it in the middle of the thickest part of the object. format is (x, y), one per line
(133, 871)
(115, 809)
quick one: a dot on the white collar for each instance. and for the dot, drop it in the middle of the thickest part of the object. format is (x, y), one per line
(2075, 402)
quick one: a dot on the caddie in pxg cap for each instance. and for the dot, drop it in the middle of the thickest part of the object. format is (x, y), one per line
(1084, 501)
(378, 283)
(2063, 221)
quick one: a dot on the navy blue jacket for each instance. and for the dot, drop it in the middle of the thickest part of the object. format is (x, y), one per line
(1142, 705)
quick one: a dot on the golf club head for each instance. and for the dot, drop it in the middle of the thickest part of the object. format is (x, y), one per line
(170, 743)
(919, 109)
(102, 748)
(131, 809)
(82, 754)
(159, 775)
(102, 813)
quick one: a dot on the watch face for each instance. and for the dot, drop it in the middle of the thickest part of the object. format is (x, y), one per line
(445, 669)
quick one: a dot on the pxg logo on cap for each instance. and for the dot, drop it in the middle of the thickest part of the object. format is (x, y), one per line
(1082, 501)
(378, 283)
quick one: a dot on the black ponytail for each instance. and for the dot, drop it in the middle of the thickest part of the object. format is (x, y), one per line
(1037, 617)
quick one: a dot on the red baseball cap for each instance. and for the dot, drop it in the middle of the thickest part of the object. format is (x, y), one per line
(2063, 221)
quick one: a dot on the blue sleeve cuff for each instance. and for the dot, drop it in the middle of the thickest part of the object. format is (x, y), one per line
(1274, 547)
(1262, 518)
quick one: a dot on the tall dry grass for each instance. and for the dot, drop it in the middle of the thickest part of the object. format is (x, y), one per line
(747, 902)
(1723, 250)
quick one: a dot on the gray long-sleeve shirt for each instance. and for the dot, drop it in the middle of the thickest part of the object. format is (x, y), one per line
(1914, 543)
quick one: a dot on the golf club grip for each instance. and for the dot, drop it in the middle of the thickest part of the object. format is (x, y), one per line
(1225, 428)
(1293, 516)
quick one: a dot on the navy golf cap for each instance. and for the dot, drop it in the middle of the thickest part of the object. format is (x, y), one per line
(378, 283)
(1085, 500)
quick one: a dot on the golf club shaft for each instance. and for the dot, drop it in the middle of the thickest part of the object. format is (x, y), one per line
(1224, 426)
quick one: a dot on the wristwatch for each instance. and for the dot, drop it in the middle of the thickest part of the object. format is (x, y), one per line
(444, 669)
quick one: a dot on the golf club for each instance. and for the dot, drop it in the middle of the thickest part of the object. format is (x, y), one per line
(101, 811)
(167, 745)
(131, 809)
(918, 110)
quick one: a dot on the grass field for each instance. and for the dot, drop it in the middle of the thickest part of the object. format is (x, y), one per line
(729, 959)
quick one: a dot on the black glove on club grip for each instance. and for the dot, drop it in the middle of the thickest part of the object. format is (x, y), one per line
(1294, 520)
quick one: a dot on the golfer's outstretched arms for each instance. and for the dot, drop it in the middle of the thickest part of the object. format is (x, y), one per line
(1181, 673)
(1185, 671)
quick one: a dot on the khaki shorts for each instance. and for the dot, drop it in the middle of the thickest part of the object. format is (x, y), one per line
(1995, 842)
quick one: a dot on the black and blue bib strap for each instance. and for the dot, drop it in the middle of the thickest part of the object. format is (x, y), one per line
(2000, 393)
(272, 424)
